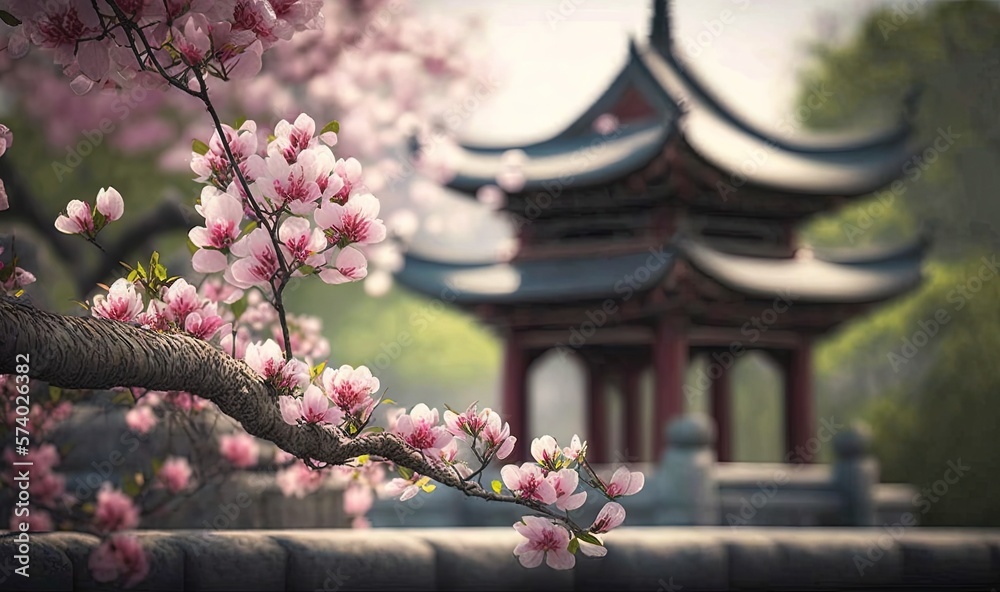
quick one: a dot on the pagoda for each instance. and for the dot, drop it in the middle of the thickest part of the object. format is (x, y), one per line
(667, 236)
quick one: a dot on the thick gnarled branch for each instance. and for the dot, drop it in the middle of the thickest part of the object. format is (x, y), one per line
(92, 353)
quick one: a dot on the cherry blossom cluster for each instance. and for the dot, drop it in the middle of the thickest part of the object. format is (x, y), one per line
(99, 47)
(80, 219)
(306, 210)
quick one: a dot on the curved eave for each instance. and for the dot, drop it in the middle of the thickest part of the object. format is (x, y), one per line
(809, 280)
(734, 147)
(526, 282)
(585, 161)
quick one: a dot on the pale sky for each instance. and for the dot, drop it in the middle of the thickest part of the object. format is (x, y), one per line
(554, 61)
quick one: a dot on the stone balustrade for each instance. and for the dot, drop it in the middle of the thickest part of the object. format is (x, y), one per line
(652, 559)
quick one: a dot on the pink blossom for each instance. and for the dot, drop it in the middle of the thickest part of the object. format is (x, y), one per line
(624, 482)
(574, 449)
(4, 202)
(418, 429)
(469, 423)
(496, 436)
(38, 521)
(203, 323)
(351, 389)
(241, 450)
(350, 266)
(360, 522)
(115, 511)
(181, 299)
(119, 556)
(140, 419)
(348, 172)
(223, 214)
(355, 222)
(300, 241)
(110, 203)
(291, 139)
(358, 499)
(565, 482)
(193, 43)
(313, 407)
(175, 474)
(258, 263)
(547, 452)
(406, 488)
(528, 482)
(6, 139)
(122, 303)
(611, 516)
(77, 219)
(298, 480)
(288, 184)
(545, 541)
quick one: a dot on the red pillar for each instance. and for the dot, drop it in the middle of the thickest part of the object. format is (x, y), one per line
(597, 414)
(670, 359)
(633, 413)
(515, 405)
(800, 416)
(721, 413)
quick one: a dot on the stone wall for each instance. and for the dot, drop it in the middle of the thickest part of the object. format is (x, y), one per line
(652, 559)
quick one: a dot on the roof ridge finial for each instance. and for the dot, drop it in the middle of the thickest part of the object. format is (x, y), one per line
(659, 35)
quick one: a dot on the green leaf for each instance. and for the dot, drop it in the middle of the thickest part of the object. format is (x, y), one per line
(239, 307)
(364, 458)
(271, 138)
(405, 472)
(192, 248)
(199, 147)
(161, 272)
(250, 227)
(387, 402)
(141, 270)
(497, 486)
(55, 393)
(333, 126)
(317, 370)
(307, 269)
(375, 430)
(589, 538)
(240, 121)
(574, 545)
(9, 19)
(124, 397)
(131, 488)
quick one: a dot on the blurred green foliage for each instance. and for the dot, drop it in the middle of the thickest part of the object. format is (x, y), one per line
(936, 402)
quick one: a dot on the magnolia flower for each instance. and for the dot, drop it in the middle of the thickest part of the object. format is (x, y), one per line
(418, 429)
(37, 521)
(547, 452)
(351, 388)
(468, 423)
(119, 556)
(358, 499)
(497, 439)
(350, 266)
(122, 303)
(6, 139)
(258, 262)
(611, 516)
(349, 174)
(408, 488)
(115, 510)
(223, 214)
(574, 449)
(268, 361)
(528, 482)
(624, 482)
(565, 482)
(313, 407)
(300, 242)
(181, 299)
(77, 219)
(355, 222)
(110, 204)
(4, 203)
(141, 419)
(545, 541)
(291, 139)
(298, 480)
(241, 450)
(175, 474)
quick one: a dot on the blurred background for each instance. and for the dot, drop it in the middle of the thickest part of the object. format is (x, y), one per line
(541, 63)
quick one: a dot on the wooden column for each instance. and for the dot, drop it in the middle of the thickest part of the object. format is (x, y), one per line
(722, 414)
(800, 415)
(597, 412)
(515, 404)
(670, 359)
(634, 451)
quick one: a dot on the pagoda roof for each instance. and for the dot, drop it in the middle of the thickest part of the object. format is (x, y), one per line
(870, 277)
(681, 107)
(539, 281)
(867, 277)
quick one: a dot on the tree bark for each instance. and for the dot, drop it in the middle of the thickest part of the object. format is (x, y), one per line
(93, 353)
